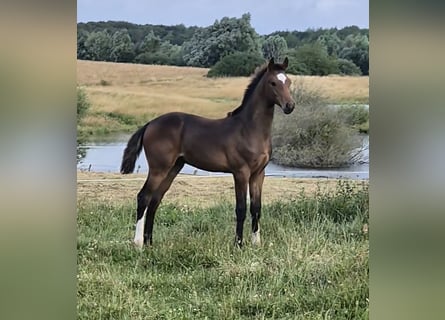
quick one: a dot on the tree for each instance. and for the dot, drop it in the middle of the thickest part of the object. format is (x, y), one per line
(331, 42)
(211, 44)
(82, 51)
(238, 64)
(122, 47)
(172, 52)
(155, 51)
(198, 46)
(347, 67)
(274, 47)
(356, 49)
(98, 45)
(151, 43)
(311, 59)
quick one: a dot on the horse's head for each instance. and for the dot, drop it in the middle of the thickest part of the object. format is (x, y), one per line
(277, 85)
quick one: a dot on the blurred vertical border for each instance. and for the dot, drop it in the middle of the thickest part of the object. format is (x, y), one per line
(407, 139)
(37, 160)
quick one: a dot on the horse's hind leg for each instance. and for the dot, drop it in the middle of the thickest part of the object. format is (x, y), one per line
(156, 198)
(255, 188)
(142, 202)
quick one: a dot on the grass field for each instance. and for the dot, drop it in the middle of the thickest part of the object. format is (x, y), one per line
(313, 262)
(124, 96)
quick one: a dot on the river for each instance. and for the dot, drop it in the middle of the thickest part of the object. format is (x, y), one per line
(106, 156)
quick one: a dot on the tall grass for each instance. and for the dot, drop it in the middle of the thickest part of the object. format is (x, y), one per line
(313, 263)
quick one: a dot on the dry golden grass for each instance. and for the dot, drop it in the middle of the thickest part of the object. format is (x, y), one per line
(193, 191)
(146, 91)
(339, 88)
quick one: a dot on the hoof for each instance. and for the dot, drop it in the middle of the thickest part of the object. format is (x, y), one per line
(238, 243)
(256, 239)
(139, 243)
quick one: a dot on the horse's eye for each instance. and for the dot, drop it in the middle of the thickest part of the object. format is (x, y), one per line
(273, 83)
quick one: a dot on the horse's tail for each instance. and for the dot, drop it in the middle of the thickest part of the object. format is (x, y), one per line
(132, 151)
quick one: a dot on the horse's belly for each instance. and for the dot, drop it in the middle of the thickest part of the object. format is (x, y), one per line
(213, 163)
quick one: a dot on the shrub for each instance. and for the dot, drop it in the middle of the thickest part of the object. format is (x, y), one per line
(105, 83)
(315, 135)
(355, 115)
(297, 67)
(347, 67)
(311, 59)
(82, 108)
(82, 103)
(153, 58)
(238, 64)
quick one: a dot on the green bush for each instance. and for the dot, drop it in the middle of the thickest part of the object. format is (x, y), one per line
(238, 64)
(82, 108)
(311, 59)
(347, 67)
(355, 115)
(82, 103)
(297, 67)
(153, 58)
(315, 135)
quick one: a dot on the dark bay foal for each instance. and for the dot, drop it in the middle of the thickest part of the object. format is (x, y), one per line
(239, 144)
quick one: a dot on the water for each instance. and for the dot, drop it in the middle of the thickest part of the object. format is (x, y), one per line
(106, 156)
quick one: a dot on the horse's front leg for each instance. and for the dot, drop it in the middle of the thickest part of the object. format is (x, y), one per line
(241, 180)
(255, 189)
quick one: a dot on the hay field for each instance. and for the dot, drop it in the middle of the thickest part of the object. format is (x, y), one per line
(141, 92)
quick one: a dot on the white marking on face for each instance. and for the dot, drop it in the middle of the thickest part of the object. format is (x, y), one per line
(256, 239)
(139, 234)
(282, 77)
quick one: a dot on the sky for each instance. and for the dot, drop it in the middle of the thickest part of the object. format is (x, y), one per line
(267, 16)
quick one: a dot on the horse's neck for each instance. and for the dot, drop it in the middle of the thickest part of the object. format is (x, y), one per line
(258, 115)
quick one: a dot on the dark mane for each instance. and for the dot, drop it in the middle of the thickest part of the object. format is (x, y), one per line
(250, 89)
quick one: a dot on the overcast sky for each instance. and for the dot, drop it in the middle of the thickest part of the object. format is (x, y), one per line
(267, 15)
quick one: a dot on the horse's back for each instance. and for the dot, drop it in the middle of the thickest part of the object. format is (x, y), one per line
(202, 142)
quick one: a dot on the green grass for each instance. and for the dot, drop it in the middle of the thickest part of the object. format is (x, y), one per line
(313, 262)
(110, 123)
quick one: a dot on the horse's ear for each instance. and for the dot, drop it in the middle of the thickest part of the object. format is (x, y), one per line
(285, 63)
(271, 64)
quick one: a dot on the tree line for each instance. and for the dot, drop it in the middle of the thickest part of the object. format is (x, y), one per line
(218, 46)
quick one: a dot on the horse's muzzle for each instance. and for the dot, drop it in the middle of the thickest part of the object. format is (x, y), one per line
(289, 107)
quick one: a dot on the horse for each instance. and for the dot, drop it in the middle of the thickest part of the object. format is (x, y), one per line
(239, 144)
